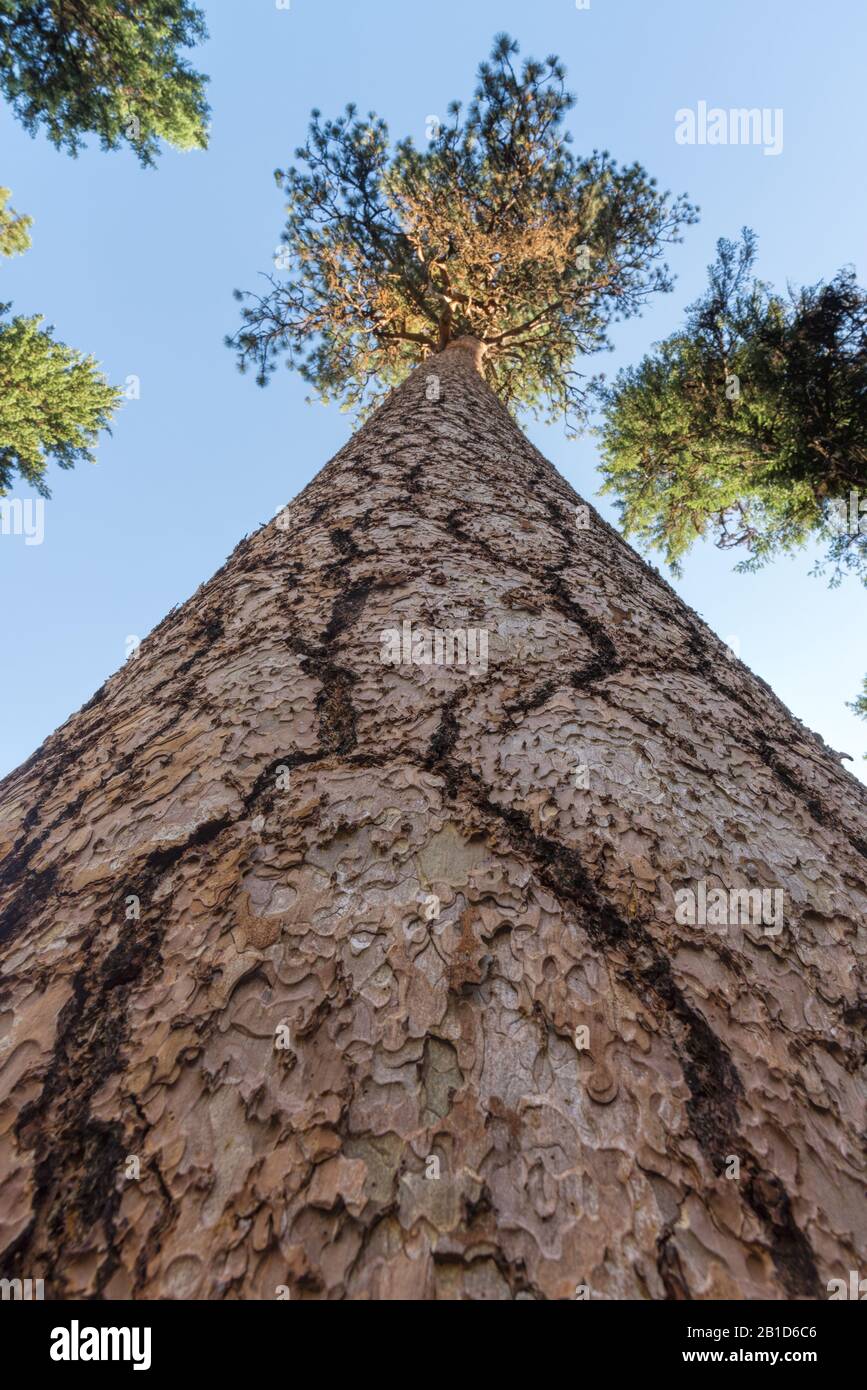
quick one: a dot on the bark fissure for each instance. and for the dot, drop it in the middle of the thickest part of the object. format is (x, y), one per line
(710, 1075)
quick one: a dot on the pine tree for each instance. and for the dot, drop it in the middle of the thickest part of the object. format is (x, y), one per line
(496, 231)
(53, 403)
(433, 907)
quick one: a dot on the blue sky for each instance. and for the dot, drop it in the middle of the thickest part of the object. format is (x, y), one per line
(138, 266)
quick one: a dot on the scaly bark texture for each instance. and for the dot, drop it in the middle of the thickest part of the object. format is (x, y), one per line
(376, 911)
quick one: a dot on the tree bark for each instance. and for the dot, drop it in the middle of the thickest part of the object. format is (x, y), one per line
(332, 976)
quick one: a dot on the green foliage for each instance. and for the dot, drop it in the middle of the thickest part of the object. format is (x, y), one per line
(495, 229)
(53, 402)
(73, 67)
(110, 67)
(749, 424)
(14, 228)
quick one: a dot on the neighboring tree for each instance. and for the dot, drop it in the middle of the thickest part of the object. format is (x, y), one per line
(53, 403)
(14, 228)
(749, 424)
(111, 68)
(434, 908)
(496, 229)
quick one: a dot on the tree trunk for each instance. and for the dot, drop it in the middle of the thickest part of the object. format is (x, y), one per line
(333, 974)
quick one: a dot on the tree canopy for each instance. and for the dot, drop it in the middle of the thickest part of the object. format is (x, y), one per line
(749, 424)
(112, 68)
(495, 229)
(53, 402)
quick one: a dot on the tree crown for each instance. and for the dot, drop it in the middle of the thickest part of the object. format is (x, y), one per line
(495, 230)
(53, 403)
(110, 67)
(749, 423)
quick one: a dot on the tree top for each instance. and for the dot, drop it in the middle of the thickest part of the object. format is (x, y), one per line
(493, 229)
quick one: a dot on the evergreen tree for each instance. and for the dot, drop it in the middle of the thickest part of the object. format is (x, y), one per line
(53, 403)
(495, 230)
(112, 68)
(434, 908)
(438, 976)
(749, 424)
